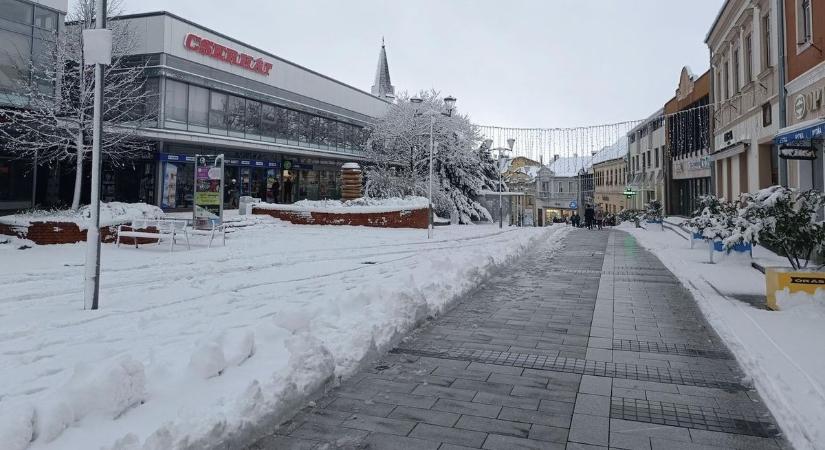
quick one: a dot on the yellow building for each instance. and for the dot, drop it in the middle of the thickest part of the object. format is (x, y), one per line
(610, 177)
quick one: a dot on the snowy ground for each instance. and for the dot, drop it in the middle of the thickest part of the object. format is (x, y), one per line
(196, 346)
(782, 351)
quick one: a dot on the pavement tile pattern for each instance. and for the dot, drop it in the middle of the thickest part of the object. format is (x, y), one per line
(594, 346)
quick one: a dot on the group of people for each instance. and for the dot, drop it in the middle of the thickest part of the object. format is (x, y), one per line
(593, 218)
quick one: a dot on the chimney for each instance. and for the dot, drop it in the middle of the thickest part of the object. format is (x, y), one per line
(555, 157)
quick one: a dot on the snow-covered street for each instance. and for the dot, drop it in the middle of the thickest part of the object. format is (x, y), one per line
(202, 343)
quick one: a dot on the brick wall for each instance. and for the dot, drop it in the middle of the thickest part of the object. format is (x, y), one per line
(45, 233)
(415, 218)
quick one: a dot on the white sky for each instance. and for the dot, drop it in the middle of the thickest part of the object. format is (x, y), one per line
(518, 63)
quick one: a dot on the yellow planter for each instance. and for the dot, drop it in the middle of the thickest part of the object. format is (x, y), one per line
(779, 278)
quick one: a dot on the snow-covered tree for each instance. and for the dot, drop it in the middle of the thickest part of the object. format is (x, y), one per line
(786, 220)
(399, 148)
(703, 217)
(653, 211)
(55, 123)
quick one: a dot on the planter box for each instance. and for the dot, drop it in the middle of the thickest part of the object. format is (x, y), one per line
(780, 278)
(698, 237)
(745, 247)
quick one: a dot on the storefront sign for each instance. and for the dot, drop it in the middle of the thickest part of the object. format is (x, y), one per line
(214, 50)
(208, 198)
(807, 102)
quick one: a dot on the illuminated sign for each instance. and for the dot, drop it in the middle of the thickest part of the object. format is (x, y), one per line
(212, 49)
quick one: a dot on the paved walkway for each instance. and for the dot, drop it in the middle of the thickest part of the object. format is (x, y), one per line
(595, 346)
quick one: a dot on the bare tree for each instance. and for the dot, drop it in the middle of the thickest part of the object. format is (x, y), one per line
(55, 123)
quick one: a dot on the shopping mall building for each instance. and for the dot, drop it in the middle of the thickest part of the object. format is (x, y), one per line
(274, 121)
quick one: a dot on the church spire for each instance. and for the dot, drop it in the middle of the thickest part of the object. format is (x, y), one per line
(383, 87)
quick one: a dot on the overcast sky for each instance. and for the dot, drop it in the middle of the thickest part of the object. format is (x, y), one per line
(518, 63)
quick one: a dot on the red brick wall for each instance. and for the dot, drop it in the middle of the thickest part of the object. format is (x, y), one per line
(416, 218)
(45, 233)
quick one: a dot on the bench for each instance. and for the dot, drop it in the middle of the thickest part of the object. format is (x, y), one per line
(166, 229)
(210, 229)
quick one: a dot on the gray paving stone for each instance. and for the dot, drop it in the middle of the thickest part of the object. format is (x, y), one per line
(380, 424)
(550, 434)
(506, 400)
(460, 407)
(544, 394)
(398, 398)
(520, 380)
(594, 405)
(495, 368)
(277, 442)
(496, 426)
(393, 442)
(445, 419)
(339, 435)
(595, 385)
(499, 442)
(560, 420)
(448, 435)
(361, 406)
(482, 386)
(578, 446)
(736, 441)
(587, 429)
(444, 392)
(625, 429)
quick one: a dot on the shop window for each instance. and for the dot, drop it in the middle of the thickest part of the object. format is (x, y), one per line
(217, 113)
(177, 187)
(252, 120)
(175, 104)
(15, 185)
(14, 65)
(198, 109)
(235, 112)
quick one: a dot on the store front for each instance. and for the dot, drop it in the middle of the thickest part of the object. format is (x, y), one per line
(691, 180)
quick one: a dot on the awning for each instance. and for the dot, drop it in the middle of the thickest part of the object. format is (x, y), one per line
(809, 129)
(730, 150)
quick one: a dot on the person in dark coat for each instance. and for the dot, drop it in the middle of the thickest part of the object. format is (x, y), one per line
(588, 216)
(276, 190)
(575, 219)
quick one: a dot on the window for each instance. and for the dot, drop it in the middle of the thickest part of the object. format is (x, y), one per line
(561, 188)
(175, 104)
(43, 18)
(16, 11)
(766, 41)
(269, 122)
(217, 113)
(198, 109)
(252, 121)
(643, 161)
(570, 186)
(13, 59)
(726, 80)
(235, 109)
(748, 58)
(736, 70)
(804, 25)
(766, 115)
(656, 155)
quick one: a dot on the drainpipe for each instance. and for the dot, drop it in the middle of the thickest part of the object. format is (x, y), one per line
(780, 25)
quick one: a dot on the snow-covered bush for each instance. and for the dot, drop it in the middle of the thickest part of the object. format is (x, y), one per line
(786, 220)
(653, 211)
(630, 215)
(701, 219)
(399, 151)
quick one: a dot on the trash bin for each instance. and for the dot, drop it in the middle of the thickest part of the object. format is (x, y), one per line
(245, 204)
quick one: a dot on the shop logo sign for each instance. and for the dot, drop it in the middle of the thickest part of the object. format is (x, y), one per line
(807, 102)
(807, 280)
(220, 52)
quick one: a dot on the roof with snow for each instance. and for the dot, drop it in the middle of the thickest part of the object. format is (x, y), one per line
(613, 151)
(569, 166)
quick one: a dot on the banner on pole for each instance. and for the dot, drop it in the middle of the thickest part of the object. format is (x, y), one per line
(209, 186)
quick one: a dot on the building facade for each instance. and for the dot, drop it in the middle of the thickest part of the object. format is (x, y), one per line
(805, 87)
(561, 186)
(27, 30)
(610, 172)
(744, 91)
(688, 144)
(646, 161)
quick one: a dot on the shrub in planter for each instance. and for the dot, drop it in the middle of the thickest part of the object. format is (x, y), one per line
(785, 219)
(653, 212)
(629, 215)
(709, 206)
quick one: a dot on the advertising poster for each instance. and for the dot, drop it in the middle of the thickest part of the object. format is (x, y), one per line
(170, 185)
(208, 201)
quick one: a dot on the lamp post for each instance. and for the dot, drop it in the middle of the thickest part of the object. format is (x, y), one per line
(510, 143)
(449, 105)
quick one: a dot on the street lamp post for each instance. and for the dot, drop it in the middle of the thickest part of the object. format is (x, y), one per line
(510, 143)
(449, 105)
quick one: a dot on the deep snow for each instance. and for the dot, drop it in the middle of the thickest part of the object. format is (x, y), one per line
(781, 350)
(198, 346)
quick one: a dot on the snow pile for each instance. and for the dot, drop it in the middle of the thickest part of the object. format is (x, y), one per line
(358, 206)
(780, 350)
(113, 213)
(204, 348)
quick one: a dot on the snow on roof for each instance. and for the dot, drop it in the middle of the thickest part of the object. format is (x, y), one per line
(613, 151)
(569, 166)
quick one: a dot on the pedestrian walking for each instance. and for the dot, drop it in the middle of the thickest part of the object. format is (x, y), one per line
(588, 216)
(599, 216)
